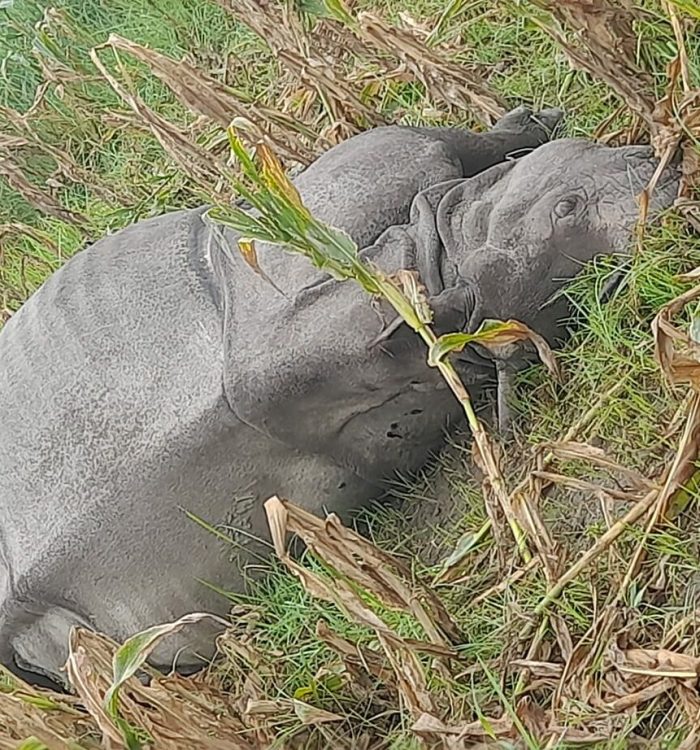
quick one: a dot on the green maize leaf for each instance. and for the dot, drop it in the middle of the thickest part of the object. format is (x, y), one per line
(687, 6)
(32, 743)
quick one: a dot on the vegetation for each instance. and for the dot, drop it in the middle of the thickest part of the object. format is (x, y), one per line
(460, 637)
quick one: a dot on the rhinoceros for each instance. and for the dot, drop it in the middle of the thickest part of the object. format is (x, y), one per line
(157, 376)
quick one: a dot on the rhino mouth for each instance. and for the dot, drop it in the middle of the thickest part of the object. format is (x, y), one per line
(666, 190)
(642, 177)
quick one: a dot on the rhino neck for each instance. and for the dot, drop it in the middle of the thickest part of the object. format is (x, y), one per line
(436, 253)
(440, 245)
(448, 219)
(435, 268)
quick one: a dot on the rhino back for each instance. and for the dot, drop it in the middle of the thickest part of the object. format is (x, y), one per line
(368, 182)
(110, 381)
(113, 417)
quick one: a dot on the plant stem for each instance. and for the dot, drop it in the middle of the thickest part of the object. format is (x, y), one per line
(483, 442)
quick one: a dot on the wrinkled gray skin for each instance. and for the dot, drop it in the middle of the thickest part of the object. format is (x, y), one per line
(156, 372)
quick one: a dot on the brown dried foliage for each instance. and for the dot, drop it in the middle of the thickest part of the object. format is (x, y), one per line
(459, 87)
(198, 164)
(52, 719)
(676, 352)
(284, 34)
(206, 96)
(26, 136)
(598, 36)
(34, 195)
(19, 228)
(175, 712)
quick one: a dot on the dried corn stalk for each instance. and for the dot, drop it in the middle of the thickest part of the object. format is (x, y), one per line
(605, 45)
(444, 81)
(197, 163)
(204, 95)
(281, 30)
(34, 195)
(66, 165)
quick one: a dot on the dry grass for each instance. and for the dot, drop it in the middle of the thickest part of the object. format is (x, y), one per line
(585, 636)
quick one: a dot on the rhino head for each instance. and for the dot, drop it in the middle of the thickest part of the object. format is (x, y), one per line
(517, 232)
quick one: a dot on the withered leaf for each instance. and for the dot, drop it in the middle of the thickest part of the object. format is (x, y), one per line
(572, 451)
(198, 164)
(360, 561)
(498, 337)
(675, 351)
(35, 196)
(449, 83)
(416, 293)
(250, 256)
(174, 711)
(598, 36)
(660, 663)
(204, 95)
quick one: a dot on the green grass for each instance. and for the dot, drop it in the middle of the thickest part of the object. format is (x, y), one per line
(613, 347)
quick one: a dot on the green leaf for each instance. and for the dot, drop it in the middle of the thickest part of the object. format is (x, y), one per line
(40, 701)
(315, 8)
(487, 727)
(507, 705)
(32, 743)
(465, 545)
(127, 661)
(688, 6)
(450, 342)
(337, 9)
(132, 654)
(494, 335)
(275, 178)
(241, 222)
(682, 498)
(467, 542)
(241, 153)
(8, 683)
(327, 9)
(490, 333)
(129, 658)
(284, 220)
(304, 692)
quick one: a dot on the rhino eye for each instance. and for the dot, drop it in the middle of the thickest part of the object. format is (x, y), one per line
(566, 207)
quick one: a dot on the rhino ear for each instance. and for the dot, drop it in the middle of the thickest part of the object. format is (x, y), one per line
(465, 192)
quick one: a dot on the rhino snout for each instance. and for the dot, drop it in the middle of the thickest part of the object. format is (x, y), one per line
(641, 165)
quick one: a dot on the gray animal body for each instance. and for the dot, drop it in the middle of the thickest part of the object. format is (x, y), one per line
(156, 373)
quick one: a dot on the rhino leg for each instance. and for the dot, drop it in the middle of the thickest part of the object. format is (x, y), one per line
(39, 648)
(504, 384)
(522, 118)
(515, 134)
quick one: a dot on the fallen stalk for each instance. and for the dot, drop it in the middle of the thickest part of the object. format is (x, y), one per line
(605, 541)
(680, 465)
(601, 546)
(483, 442)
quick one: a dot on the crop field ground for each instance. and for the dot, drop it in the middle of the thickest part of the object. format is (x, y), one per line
(435, 628)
